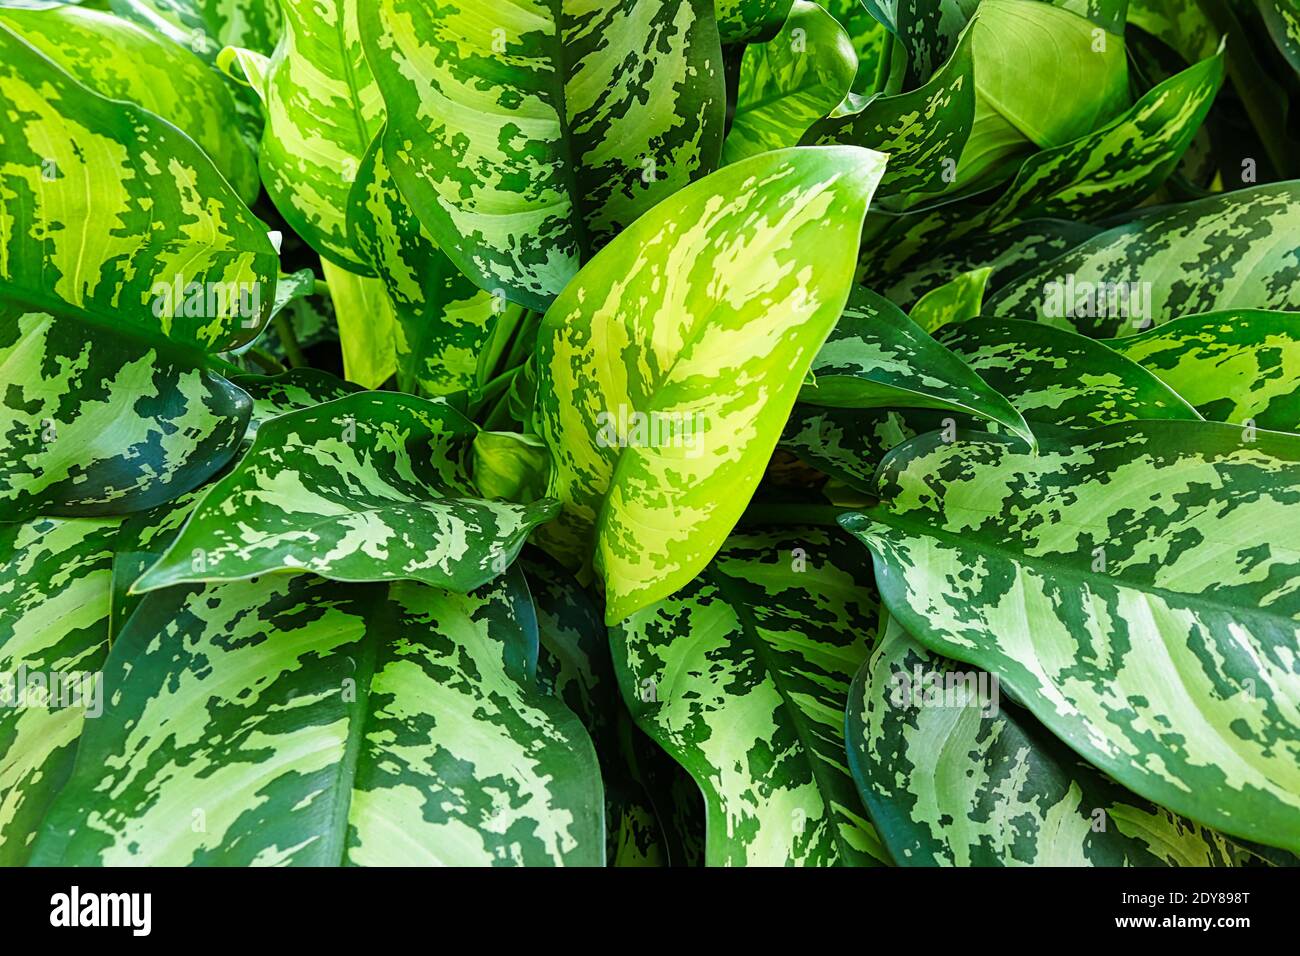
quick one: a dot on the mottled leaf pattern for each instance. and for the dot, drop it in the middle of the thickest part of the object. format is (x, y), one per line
(442, 321)
(124, 61)
(55, 575)
(112, 212)
(322, 111)
(1061, 378)
(714, 304)
(325, 726)
(1137, 580)
(366, 488)
(879, 358)
(791, 81)
(1241, 366)
(922, 131)
(1235, 250)
(93, 424)
(1118, 165)
(743, 678)
(954, 775)
(606, 109)
(275, 395)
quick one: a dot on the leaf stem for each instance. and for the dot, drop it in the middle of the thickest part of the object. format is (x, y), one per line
(289, 339)
(266, 361)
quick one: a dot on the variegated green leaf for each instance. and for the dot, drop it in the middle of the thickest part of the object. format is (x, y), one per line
(117, 215)
(789, 82)
(955, 775)
(667, 368)
(97, 424)
(922, 131)
(1008, 252)
(54, 606)
(1121, 163)
(574, 664)
(744, 21)
(206, 26)
(1241, 366)
(442, 321)
(597, 112)
(370, 487)
(142, 539)
(743, 678)
(870, 39)
(1050, 376)
(1060, 378)
(958, 300)
(1133, 586)
(1183, 26)
(879, 358)
(928, 30)
(845, 443)
(124, 61)
(1282, 17)
(322, 110)
(369, 725)
(275, 395)
(1235, 250)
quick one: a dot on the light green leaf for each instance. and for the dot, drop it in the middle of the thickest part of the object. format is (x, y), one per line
(526, 139)
(510, 467)
(367, 325)
(955, 775)
(743, 678)
(667, 368)
(1153, 267)
(789, 82)
(115, 214)
(958, 300)
(1241, 366)
(97, 424)
(1133, 586)
(879, 358)
(54, 606)
(302, 723)
(1079, 83)
(371, 487)
(123, 61)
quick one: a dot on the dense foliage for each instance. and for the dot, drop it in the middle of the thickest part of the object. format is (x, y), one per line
(650, 432)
